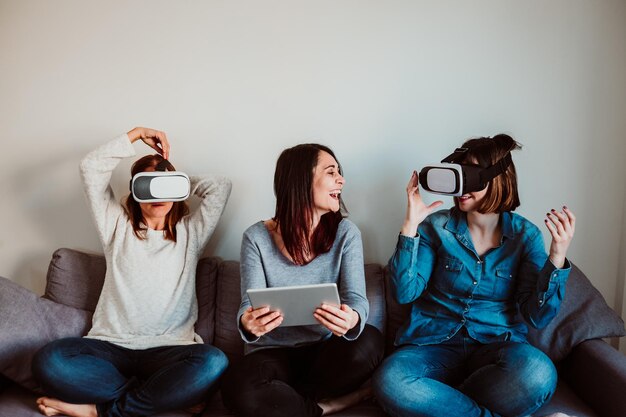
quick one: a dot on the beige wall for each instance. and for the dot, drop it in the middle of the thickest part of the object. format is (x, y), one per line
(390, 86)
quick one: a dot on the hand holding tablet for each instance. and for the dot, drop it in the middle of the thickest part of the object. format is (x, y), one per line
(295, 304)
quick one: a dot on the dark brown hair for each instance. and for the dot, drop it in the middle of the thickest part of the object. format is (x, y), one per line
(502, 192)
(133, 209)
(293, 187)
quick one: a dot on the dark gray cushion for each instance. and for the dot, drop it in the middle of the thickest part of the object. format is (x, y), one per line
(375, 290)
(75, 279)
(206, 277)
(583, 315)
(27, 323)
(227, 337)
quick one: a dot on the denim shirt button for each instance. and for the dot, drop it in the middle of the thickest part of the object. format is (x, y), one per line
(475, 282)
(479, 262)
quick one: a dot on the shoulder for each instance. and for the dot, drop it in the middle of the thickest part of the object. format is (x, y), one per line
(438, 218)
(255, 231)
(348, 229)
(520, 225)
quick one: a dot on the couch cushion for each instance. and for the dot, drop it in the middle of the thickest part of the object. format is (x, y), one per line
(227, 337)
(583, 315)
(75, 279)
(375, 290)
(206, 276)
(18, 402)
(27, 323)
(396, 314)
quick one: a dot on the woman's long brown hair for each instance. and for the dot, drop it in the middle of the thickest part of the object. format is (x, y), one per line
(133, 209)
(293, 187)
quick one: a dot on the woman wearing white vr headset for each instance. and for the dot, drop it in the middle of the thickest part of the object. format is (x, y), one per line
(467, 272)
(142, 355)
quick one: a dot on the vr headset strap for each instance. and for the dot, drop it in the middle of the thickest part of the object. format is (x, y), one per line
(454, 156)
(496, 169)
(161, 166)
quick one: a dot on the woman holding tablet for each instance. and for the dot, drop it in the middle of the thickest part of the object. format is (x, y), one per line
(473, 274)
(316, 369)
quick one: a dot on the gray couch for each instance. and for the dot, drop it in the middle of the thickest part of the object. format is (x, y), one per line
(592, 373)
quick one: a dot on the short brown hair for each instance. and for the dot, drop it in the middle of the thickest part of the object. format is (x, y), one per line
(133, 209)
(502, 192)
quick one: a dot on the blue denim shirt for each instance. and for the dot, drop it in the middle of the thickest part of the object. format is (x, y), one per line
(450, 286)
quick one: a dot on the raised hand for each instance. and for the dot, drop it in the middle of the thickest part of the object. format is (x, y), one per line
(338, 320)
(261, 320)
(416, 210)
(155, 139)
(561, 226)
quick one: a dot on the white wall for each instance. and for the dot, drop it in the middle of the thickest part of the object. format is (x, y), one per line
(390, 86)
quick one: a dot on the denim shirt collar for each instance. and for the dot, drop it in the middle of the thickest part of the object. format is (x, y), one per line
(457, 223)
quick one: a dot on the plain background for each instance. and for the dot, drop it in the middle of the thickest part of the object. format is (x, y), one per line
(388, 85)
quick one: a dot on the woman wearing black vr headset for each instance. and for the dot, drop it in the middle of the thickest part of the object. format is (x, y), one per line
(142, 355)
(467, 272)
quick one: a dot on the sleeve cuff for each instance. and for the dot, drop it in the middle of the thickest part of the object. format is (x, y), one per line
(355, 332)
(559, 275)
(408, 243)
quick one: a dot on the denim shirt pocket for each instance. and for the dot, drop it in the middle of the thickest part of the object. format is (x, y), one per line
(504, 284)
(447, 274)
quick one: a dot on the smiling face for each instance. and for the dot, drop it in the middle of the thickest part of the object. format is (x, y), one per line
(327, 184)
(471, 201)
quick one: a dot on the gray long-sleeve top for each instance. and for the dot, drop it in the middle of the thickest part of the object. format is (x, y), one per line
(263, 265)
(149, 293)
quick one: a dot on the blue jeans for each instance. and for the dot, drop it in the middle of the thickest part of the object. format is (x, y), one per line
(124, 382)
(465, 378)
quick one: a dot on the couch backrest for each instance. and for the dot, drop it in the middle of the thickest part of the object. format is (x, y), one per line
(75, 279)
(227, 336)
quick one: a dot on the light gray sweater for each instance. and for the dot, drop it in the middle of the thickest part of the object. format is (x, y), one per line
(149, 293)
(263, 265)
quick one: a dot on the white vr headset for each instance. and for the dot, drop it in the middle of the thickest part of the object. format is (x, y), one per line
(450, 178)
(160, 186)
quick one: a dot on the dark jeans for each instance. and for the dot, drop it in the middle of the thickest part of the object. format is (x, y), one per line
(125, 382)
(289, 381)
(464, 378)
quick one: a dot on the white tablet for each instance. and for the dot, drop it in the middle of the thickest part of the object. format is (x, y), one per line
(296, 303)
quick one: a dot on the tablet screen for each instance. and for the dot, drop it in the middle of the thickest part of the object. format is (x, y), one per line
(296, 303)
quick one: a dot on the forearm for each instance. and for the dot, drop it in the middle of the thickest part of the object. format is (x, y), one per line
(214, 192)
(407, 284)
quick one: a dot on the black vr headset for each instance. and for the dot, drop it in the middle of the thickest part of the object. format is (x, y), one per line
(160, 185)
(453, 179)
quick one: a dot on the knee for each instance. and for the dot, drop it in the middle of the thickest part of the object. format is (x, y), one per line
(211, 362)
(536, 373)
(50, 362)
(369, 350)
(395, 388)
